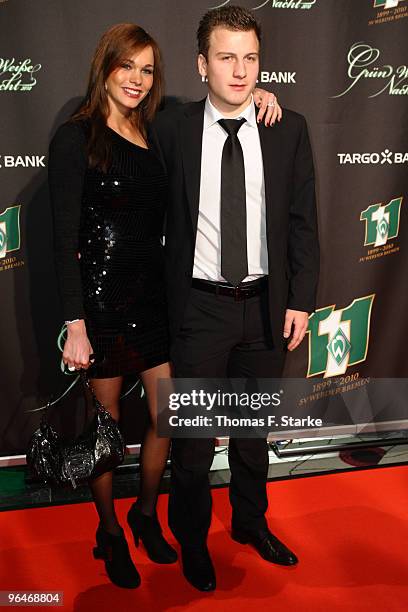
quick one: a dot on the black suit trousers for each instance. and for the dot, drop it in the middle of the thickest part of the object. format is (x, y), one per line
(221, 338)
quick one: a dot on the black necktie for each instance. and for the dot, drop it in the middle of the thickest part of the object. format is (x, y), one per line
(234, 259)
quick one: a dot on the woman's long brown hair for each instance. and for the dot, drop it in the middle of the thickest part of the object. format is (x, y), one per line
(120, 42)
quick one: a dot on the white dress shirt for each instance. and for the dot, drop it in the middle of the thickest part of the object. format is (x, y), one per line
(207, 257)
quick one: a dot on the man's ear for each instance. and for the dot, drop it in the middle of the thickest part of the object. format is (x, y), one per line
(202, 65)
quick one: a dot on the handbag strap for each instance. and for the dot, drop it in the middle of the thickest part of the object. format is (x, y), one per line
(87, 384)
(52, 402)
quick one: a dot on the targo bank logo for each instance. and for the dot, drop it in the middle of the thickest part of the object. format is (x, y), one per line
(265, 76)
(22, 161)
(339, 338)
(385, 157)
(9, 230)
(279, 4)
(381, 222)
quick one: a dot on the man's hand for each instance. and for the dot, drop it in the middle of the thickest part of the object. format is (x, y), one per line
(267, 103)
(296, 322)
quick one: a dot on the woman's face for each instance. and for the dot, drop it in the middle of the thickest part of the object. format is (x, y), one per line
(129, 84)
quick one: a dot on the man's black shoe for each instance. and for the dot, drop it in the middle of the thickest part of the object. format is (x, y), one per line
(198, 568)
(269, 547)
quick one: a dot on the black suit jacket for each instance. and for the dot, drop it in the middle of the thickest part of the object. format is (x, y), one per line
(291, 224)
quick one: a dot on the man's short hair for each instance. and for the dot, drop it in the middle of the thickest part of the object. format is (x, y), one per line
(229, 17)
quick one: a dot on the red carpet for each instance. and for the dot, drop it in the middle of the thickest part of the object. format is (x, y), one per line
(349, 530)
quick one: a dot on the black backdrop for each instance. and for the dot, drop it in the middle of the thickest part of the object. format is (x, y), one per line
(342, 63)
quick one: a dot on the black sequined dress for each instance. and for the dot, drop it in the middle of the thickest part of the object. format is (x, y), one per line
(120, 272)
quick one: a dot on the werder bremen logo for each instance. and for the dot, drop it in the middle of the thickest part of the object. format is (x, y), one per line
(3, 240)
(381, 222)
(338, 339)
(9, 230)
(339, 347)
(386, 4)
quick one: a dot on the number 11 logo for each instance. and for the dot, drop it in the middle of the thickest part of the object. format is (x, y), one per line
(387, 4)
(382, 222)
(339, 339)
(9, 230)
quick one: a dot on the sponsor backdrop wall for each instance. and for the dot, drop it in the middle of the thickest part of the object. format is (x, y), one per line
(342, 63)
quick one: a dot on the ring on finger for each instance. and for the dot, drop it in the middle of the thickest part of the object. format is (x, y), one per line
(271, 104)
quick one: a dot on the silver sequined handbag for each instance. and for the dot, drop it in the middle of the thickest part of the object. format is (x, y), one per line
(100, 448)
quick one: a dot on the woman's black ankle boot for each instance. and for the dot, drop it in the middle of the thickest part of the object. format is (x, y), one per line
(114, 550)
(148, 529)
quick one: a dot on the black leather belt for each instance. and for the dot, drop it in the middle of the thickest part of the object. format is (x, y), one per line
(241, 292)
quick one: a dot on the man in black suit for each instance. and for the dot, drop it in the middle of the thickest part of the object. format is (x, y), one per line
(242, 268)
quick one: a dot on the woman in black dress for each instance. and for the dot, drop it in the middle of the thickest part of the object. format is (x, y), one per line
(108, 193)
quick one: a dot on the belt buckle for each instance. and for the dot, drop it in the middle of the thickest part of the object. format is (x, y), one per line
(238, 294)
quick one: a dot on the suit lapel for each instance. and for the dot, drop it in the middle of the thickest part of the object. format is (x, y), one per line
(191, 145)
(269, 158)
(271, 146)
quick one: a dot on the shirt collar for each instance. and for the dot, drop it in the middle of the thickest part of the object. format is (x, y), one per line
(212, 114)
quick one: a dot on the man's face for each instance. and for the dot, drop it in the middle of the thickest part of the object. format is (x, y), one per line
(231, 68)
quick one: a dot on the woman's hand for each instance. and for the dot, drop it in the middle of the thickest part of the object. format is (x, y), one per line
(267, 103)
(77, 348)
